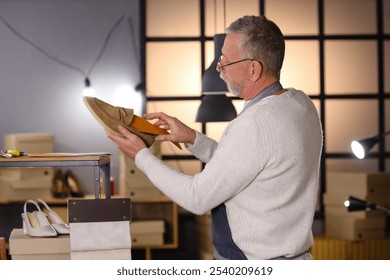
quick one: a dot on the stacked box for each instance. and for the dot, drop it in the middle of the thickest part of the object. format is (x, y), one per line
(30, 142)
(21, 183)
(25, 247)
(356, 225)
(133, 182)
(147, 232)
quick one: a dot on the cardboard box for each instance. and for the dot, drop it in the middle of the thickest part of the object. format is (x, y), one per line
(22, 173)
(131, 175)
(147, 233)
(355, 228)
(30, 142)
(343, 211)
(37, 187)
(142, 193)
(25, 247)
(132, 181)
(27, 183)
(113, 254)
(359, 184)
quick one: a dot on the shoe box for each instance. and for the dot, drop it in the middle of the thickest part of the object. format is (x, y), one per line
(62, 247)
(133, 182)
(21, 183)
(16, 190)
(147, 233)
(25, 247)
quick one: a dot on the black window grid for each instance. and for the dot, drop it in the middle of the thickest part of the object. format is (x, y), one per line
(381, 96)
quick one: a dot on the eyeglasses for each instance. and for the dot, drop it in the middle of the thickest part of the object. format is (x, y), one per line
(219, 66)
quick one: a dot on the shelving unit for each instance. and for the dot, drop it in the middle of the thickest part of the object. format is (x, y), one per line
(161, 208)
(100, 162)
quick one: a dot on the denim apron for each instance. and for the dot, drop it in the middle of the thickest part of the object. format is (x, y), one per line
(224, 246)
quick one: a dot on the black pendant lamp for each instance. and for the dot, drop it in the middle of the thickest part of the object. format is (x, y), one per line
(215, 106)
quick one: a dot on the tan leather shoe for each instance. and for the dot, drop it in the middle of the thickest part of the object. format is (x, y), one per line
(110, 117)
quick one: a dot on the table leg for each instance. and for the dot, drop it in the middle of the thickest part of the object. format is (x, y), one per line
(97, 181)
(106, 171)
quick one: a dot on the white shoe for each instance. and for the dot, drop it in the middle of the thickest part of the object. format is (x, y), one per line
(36, 223)
(55, 220)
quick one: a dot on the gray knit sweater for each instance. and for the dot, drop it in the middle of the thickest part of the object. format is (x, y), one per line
(265, 169)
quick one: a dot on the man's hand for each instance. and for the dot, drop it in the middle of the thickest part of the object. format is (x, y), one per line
(130, 143)
(179, 132)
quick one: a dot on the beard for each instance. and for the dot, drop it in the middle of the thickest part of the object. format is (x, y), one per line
(234, 88)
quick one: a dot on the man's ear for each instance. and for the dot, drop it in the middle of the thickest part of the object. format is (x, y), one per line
(257, 70)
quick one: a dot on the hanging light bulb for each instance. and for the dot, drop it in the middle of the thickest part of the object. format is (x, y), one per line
(88, 90)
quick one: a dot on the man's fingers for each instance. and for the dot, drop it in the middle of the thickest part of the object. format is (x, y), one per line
(160, 123)
(164, 137)
(125, 132)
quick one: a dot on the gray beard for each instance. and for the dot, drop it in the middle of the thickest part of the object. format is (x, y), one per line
(232, 90)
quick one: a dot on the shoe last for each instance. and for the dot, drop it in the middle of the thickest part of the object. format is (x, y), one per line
(36, 223)
(56, 222)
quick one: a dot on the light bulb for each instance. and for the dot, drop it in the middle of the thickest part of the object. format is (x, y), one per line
(358, 149)
(127, 97)
(88, 90)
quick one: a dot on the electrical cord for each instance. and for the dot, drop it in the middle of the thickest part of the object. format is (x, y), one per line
(59, 61)
(38, 48)
(105, 43)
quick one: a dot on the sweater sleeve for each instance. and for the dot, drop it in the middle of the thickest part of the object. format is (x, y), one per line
(203, 147)
(225, 174)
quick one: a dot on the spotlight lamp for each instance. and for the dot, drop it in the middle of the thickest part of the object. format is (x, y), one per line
(361, 148)
(356, 204)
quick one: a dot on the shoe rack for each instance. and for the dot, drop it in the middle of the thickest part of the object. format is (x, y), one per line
(99, 162)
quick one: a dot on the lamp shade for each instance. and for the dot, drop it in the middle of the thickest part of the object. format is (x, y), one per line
(356, 204)
(361, 148)
(211, 82)
(215, 106)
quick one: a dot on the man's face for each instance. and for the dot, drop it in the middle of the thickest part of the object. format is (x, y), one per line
(233, 74)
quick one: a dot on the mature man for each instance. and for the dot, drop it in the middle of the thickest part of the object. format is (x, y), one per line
(260, 181)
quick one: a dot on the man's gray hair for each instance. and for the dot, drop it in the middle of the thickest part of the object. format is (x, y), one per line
(261, 40)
